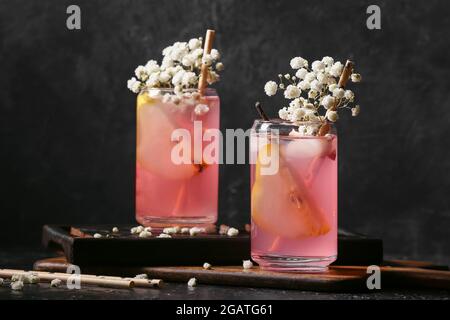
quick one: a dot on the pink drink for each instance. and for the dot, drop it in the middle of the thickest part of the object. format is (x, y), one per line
(294, 211)
(168, 193)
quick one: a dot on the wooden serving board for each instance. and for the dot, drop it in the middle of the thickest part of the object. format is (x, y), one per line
(123, 249)
(336, 279)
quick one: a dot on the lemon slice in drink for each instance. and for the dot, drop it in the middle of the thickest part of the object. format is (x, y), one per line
(282, 205)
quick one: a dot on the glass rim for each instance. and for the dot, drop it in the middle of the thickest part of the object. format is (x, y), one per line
(282, 122)
(184, 90)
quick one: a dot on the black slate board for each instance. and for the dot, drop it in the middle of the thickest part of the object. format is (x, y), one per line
(124, 249)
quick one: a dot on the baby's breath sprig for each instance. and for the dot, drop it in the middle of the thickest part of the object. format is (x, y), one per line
(322, 90)
(180, 68)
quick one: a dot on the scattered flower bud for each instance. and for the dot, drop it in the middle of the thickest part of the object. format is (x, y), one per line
(247, 264)
(97, 235)
(17, 285)
(192, 282)
(232, 232)
(184, 230)
(55, 283)
(164, 235)
(206, 266)
(115, 230)
(145, 234)
(141, 276)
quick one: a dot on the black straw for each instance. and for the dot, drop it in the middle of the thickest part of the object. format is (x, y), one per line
(261, 111)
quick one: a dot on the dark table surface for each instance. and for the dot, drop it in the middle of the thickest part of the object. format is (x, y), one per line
(23, 258)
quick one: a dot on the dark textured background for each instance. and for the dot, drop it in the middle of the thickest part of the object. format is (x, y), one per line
(67, 121)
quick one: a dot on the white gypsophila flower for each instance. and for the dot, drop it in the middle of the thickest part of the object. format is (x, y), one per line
(153, 80)
(134, 85)
(312, 130)
(270, 88)
(322, 78)
(298, 62)
(177, 79)
(332, 115)
(356, 77)
(201, 109)
(215, 55)
(318, 66)
(329, 61)
(141, 73)
(295, 103)
(336, 69)
(164, 77)
(328, 101)
(355, 110)
(189, 78)
(292, 92)
(197, 53)
(167, 63)
(188, 60)
(312, 94)
(301, 73)
(349, 95)
(207, 59)
(294, 78)
(310, 76)
(298, 114)
(338, 93)
(179, 50)
(281, 86)
(151, 66)
(287, 76)
(194, 43)
(310, 114)
(219, 66)
(332, 87)
(316, 86)
(283, 114)
(166, 51)
(308, 105)
(331, 80)
(304, 85)
(173, 70)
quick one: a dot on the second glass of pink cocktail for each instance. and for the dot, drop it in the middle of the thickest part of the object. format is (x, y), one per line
(293, 198)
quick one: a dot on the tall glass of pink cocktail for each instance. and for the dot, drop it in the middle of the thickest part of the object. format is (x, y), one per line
(293, 197)
(169, 192)
(177, 145)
